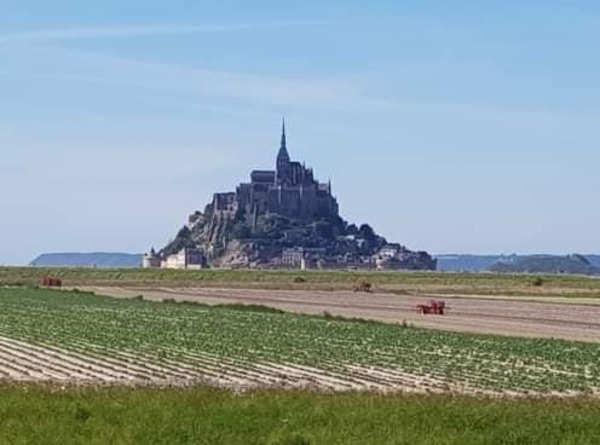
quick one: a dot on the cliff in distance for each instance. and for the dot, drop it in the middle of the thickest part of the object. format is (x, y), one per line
(547, 264)
(91, 259)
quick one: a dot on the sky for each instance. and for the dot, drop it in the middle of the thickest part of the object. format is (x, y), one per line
(451, 127)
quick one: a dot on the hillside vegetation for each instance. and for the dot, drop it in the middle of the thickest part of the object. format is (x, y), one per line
(547, 264)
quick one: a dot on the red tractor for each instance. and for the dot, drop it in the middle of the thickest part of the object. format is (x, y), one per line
(436, 307)
(51, 282)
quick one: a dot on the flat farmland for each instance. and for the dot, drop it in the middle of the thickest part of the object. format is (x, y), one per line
(75, 337)
(528, 317)
(405, 282)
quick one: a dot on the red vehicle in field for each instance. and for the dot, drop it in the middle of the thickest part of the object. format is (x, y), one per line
(436, 307)
(51, 282)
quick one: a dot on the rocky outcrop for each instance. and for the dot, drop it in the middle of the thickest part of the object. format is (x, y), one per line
(231, 240)
(285, 217)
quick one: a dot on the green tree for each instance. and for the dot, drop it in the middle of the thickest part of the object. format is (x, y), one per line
(367, 232)
(241, 230)
(323, 229)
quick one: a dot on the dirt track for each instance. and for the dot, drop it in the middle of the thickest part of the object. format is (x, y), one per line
(494, 316)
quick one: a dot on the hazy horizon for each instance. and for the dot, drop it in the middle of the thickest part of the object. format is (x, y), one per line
(434, 254)
(454, 127)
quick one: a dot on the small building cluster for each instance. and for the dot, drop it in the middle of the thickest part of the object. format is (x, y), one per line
(303, 258)
(186, 258)
(389, 257)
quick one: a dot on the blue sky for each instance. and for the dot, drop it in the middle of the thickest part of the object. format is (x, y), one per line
(453, 126)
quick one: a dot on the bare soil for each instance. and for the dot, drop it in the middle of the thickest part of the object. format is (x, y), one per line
(506, 316)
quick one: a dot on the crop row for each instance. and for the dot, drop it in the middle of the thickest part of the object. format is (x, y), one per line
(182, 341)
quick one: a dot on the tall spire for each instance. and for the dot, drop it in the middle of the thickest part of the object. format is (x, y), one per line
(284, 170)
(283, 154)
(283, 139)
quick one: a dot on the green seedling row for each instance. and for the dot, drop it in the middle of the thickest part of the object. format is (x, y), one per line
(197, 337)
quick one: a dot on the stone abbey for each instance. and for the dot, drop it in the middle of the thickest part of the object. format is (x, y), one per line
(282, 217)
(290, 190)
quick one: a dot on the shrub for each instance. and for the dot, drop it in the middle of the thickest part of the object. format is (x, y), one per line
(363, 286)
(537, 281)
(241, 231)
(81, 413)
(296, 439)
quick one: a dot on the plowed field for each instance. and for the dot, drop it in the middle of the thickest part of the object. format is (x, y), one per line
(84, 338)
(506, 316)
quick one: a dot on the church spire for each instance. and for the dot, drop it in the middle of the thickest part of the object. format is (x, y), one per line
(283, 153)
(284, 169)
(283, 139)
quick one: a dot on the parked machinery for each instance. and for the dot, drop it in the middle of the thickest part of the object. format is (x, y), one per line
(51, 282)
(436, 307)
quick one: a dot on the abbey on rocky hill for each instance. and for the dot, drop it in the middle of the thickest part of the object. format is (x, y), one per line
(290, 190)
(281, 218)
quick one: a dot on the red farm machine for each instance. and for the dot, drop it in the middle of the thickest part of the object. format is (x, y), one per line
(435, 307)
(51, 282)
